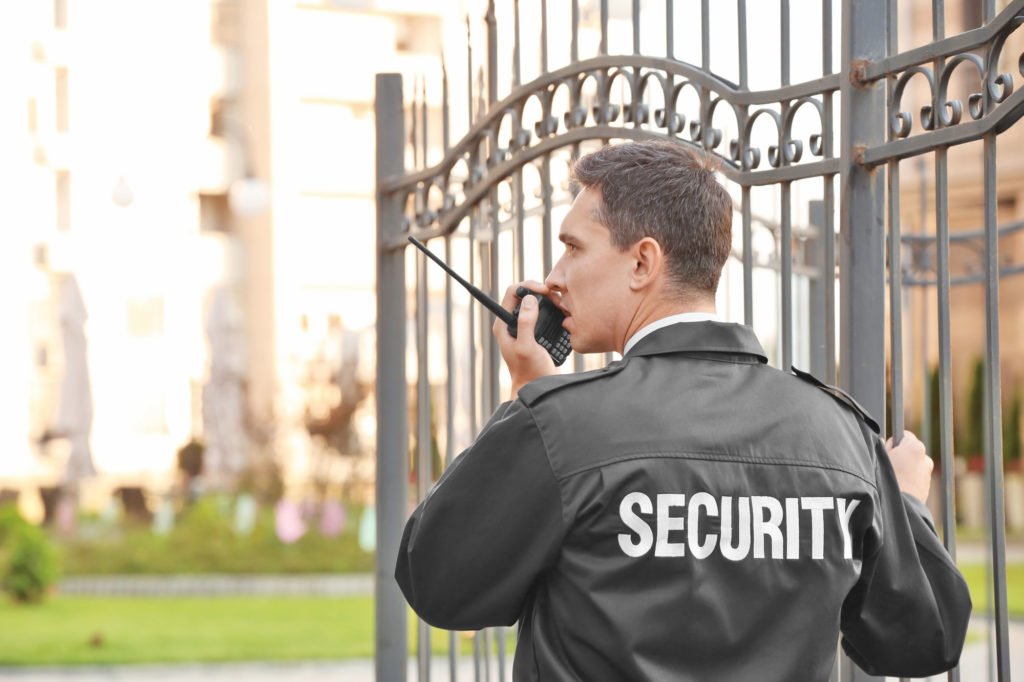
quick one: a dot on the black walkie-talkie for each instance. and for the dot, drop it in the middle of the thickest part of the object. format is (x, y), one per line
(548, 332)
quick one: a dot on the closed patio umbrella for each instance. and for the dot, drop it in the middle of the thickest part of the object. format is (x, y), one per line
(226, 452)
(73, 418)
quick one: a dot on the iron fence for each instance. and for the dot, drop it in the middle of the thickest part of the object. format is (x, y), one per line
(487, 202)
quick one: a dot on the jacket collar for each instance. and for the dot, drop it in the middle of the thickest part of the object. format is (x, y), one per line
(714, 337)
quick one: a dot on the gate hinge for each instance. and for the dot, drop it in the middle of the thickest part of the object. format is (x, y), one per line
(858, 72)
(858, 154)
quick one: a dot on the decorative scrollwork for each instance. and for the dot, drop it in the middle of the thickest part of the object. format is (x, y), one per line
(951, 111)
(901, 122)
(751, 156)
(941, 111)
(608, 97)
(672, 121)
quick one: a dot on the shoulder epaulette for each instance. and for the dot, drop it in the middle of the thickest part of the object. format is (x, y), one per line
(537, 389)
(840, 395)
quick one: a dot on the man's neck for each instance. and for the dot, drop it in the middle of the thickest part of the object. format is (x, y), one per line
(647, 313)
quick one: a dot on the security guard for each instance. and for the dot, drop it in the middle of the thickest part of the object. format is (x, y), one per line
(687, 512)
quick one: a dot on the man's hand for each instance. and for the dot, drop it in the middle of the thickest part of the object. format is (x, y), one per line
(525, 358)
(912, 465)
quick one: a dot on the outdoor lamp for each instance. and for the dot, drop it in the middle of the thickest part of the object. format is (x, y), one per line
(122, 194)
(249, 195)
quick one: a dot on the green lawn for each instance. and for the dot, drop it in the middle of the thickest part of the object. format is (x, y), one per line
(169, 629)
(975, 575)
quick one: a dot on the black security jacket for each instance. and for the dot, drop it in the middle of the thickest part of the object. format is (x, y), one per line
(685, 513)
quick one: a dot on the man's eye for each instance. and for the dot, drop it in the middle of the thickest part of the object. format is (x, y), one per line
(571, 248)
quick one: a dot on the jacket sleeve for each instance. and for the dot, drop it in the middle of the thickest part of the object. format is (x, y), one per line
(493, 522)
(907, 616)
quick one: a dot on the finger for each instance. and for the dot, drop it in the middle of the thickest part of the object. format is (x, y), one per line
(542, 289)
(510, 300)
(527, 320)
(535, 286)
(501, 331)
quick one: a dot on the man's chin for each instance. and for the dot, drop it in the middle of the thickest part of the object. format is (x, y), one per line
(584, 346)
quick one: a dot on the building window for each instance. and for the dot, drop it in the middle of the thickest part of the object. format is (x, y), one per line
(33, 115)
(40, 256)
(145, 317)
(418, 34)
(63, 201)
(60, 14)
(62, 100)
(343, 5)
(971, 14)
(214, 213)
(225, 23)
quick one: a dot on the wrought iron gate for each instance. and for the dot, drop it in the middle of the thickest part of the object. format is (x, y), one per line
(487, 201)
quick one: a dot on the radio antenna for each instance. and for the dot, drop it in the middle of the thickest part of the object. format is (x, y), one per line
(488, 302)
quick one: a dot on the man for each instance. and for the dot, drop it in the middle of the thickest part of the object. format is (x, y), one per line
(687, 512)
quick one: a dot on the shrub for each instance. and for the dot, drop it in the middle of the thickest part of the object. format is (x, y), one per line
(204, 541)
(31, 565)
(10, 521)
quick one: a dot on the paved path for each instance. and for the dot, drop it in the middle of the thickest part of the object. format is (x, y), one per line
(313, 671)
(974, 661)
(978, 553)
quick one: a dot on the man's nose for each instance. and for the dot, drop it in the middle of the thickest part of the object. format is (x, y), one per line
(554, 280)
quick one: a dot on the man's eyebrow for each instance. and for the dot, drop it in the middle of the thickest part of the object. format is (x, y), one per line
(566, 237)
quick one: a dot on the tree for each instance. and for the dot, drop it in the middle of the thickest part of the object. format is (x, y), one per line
(972, 441)
(1011, 429)
(934, 442)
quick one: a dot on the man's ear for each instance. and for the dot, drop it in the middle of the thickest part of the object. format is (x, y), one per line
(648, 263)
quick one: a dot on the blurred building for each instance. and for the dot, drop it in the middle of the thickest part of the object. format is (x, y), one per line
(100, 117)
(205, 174)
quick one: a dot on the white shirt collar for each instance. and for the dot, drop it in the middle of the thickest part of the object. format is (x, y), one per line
(666, 321)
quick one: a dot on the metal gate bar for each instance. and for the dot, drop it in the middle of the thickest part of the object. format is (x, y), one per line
(748, 251)
(895, 260)
(786, 207)
(828, 180)
(391, 643)
(862, 267)
(994, 456)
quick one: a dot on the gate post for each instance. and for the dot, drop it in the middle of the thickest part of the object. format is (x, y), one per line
(392, 410)
(861, 227)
